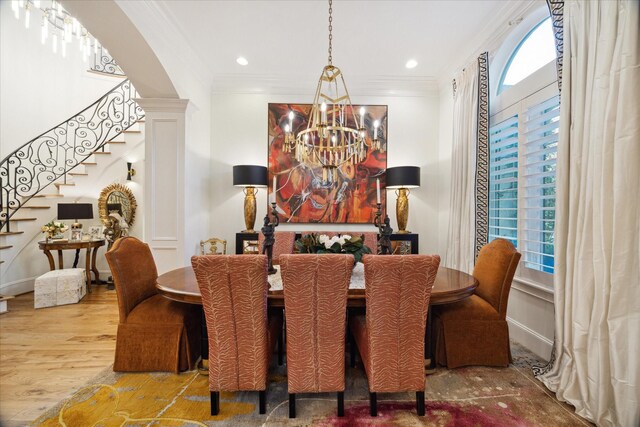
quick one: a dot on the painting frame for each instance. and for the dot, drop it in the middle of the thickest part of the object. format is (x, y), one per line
(301, 196)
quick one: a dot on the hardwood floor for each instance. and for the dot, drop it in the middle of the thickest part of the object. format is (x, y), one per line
(47, 354)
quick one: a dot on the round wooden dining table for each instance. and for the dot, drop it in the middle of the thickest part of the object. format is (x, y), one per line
(450, 286)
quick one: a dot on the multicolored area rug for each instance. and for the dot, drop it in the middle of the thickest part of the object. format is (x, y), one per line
(476, 396)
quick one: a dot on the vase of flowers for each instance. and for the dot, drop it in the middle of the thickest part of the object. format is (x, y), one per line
(322, 244)
(54, 229)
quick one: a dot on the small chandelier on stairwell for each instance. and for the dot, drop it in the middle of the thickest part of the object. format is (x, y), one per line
(334, 134)
(58, 24)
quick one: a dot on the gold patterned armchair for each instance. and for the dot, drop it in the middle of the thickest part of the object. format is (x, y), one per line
(213, 243)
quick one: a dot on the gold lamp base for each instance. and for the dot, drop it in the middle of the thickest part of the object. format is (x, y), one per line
(249, 209)
(402, 210)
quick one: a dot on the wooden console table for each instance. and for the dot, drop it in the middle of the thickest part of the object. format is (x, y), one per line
(90, 262)
(401, 244)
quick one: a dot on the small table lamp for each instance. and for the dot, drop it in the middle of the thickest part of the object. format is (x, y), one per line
(75, 211)
(249, 177)
(402, 178)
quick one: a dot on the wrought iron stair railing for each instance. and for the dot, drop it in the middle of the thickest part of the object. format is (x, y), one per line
(51, 155)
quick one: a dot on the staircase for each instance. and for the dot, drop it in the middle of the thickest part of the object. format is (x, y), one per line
(66, 163)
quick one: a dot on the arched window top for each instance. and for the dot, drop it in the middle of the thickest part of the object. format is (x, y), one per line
(535, 50)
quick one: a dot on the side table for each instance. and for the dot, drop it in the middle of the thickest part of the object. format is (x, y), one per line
(90, 261)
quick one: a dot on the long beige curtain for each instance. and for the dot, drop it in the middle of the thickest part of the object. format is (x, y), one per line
(597, 279)
(461, 233)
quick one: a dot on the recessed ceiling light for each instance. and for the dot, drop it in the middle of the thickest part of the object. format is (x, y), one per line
(412, 63)
(242, 60)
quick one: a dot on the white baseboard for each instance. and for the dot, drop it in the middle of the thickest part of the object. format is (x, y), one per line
(18, 287)
(538, 344)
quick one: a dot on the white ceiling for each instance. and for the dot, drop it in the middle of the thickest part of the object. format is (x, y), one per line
(286, 42)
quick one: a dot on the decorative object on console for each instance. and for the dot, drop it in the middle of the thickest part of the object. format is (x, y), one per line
(402, 178)
(54, 229)
(326, 153)
(130, 171)
(75, 211)
(322, 244)
(384, 228)
(249, 177)
(268, 230)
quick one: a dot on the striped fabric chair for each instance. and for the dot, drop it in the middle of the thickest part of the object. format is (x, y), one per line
(315, 301)
(390, 337)
(241, 335)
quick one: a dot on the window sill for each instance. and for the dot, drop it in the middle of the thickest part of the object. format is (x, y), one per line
(534, 289)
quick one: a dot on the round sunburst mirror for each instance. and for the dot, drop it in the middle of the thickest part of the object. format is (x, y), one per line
(117, 197)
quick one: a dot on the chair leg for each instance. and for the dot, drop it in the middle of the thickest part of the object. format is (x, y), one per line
(341, 403)
(373, 404)
(263, 401)
(352, 351)
(292, 405)
(215, 403)
(420, 403)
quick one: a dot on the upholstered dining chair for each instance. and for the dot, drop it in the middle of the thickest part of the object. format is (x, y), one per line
(213, 246)
(242, 336)
(390, 336)
(154, 333)
(474, 331)
(283, 245)
(315, 303)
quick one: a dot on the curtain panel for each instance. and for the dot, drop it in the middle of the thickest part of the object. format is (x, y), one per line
(469, 198)
(597, 296)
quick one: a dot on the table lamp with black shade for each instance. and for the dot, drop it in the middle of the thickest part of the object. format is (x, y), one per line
(75, 211)
(249, 177)
(402, 178)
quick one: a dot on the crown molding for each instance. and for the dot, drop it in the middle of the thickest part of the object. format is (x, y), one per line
(305, 85)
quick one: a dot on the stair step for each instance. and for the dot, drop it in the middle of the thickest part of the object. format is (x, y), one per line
(22, 219)
(35, 207)
(61, 184)
(131, 131)
(102, 152)
(77, 174)
(48, 195)
(89, 163)
(10, 233)
(117, 142)
(6, 247)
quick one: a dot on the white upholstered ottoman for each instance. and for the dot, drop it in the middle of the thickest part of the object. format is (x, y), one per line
(59, 287)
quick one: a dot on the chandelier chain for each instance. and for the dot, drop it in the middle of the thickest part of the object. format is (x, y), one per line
(330, 29)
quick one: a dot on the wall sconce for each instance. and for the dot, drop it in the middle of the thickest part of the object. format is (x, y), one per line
(249, 177)
(130, 171)
(402, 178)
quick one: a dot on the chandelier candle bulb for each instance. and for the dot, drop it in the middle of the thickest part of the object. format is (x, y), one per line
(377, 190)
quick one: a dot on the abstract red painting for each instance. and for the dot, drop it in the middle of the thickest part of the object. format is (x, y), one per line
(303, 196)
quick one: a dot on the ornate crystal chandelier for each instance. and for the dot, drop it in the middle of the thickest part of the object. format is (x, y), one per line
(58, 24)
(334, 135)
